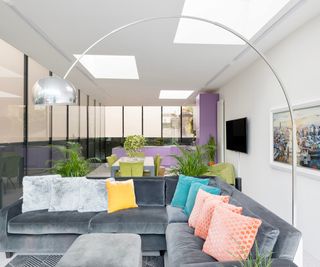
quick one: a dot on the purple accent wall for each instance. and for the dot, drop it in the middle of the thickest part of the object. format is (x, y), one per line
(206, 117)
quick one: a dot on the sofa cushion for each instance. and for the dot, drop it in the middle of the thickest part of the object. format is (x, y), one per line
(183, 247)
(65, 193)
(171, 184)
(93, 195)
(141, 220)
(37, 192)
(44, 222)
(182, 190)
(267, 234)
(176, 215)
(149, 191)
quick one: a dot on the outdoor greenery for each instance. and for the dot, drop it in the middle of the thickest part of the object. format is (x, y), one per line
(133, 144)
(211, 149)
(190, 162)
(74, 164)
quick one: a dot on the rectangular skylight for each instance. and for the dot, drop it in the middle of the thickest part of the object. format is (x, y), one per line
(110, 66)
(175, 94)
(246, 17)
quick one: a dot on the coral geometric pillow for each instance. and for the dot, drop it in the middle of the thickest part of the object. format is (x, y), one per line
(231, 235)
(201, 197)
(204, 219)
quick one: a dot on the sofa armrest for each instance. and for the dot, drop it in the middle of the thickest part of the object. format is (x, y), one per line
(6, 214)
(275, 263)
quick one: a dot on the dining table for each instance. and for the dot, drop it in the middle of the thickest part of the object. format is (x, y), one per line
(148, 164)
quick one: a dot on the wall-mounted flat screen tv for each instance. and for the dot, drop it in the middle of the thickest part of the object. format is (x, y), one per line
(236, 131)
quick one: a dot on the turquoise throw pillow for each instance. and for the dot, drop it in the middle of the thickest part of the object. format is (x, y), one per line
(194, 188)
(182, 190)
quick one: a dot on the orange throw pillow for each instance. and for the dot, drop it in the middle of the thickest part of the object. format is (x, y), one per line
(204, 219)
(231, 235)
(201, 197)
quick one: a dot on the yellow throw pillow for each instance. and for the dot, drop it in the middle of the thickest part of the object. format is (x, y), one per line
(120, 195)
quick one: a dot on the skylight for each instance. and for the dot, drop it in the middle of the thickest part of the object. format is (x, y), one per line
(175, 94)
(110, 66)
(244, 16)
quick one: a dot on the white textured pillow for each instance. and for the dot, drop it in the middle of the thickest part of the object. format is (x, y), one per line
(65, 193)
(37, 192)
(93, 195)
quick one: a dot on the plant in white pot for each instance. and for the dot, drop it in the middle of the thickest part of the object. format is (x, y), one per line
(133, 145)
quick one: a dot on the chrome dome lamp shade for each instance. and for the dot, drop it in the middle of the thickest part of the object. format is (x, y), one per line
(54, 91)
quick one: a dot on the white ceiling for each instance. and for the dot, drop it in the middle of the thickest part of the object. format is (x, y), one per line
(52, 31)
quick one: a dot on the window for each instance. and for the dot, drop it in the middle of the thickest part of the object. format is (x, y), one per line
(187, 121)
(171, 122)
(132, 120)
(38, 116)
(11, 94)
(59, 123)
(113, 121)
(152, 121)
(83, 115)
(98, 120)
(103, 122)
(74, 113)
(91, 118)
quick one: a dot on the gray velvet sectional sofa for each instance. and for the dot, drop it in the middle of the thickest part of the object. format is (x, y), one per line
(161, 227)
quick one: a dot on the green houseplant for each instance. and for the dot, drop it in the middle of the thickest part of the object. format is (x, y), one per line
(74, 164)
(210, 148)
(133, 144)
(190, 162)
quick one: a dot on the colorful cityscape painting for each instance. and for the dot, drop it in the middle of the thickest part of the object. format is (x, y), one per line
(308, 137)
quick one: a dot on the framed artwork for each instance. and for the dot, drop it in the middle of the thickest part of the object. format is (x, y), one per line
(307, 118)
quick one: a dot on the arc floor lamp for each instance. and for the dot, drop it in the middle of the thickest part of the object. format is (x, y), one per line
(59, 91)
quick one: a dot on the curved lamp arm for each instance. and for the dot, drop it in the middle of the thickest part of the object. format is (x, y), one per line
(262, 56)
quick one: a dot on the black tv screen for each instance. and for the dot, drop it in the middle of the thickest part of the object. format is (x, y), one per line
(237, 135)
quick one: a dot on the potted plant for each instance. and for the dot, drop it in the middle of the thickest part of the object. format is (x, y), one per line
(74, 164)
(190, 162)
(133, 144)
(211, 150)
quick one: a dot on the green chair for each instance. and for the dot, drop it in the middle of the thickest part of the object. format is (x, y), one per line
(157, 162)
(137, 169)
(138, 154)
(125, 169)
(112, 159)
(224, 170)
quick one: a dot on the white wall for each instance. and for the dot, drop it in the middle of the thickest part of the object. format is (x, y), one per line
(253, 93)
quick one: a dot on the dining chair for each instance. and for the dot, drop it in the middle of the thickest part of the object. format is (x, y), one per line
(137, 169)
(125, 169)
(138, 154)
(112, 159)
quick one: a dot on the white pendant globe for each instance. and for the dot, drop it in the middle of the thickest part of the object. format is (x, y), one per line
(54, 91)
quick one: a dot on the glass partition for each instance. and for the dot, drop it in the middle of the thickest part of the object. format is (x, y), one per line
(74, 116)
(171, 123)
(38, 116)
(113, 121)
(132, 120)
(152, 121)
(12, 123)
(187, 122)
